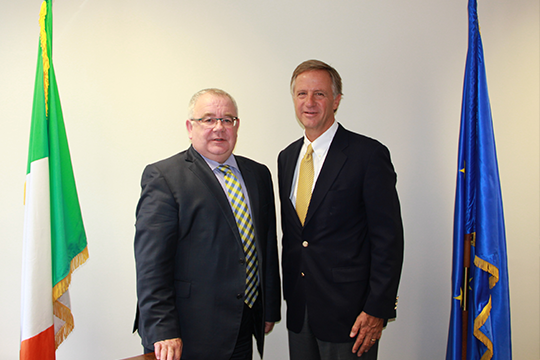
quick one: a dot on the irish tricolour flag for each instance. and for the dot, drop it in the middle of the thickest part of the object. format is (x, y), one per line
(54, 237)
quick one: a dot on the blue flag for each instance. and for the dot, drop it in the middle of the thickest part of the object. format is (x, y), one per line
(480, 316)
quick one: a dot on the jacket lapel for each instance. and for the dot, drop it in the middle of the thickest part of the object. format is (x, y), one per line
(333, 163)
(252, 190)
(201, 169)
(288, 173)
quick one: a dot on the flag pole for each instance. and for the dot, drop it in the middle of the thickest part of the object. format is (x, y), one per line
(468, 241)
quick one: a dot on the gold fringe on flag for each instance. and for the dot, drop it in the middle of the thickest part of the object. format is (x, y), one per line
(478, 323)
(489, 268)
(44, 54)
(486, 311)
(63, 285)
(62, 312)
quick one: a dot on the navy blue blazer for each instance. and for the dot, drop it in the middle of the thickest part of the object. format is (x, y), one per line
(190, 263)
(347, 257)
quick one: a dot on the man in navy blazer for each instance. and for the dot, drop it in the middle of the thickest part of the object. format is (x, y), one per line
(190, 259)
(342, 260)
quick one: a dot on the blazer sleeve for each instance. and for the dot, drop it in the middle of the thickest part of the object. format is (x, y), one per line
(385, 232)
(273, 283)
(155, 249)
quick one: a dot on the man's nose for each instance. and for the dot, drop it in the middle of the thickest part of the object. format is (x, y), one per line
(219, 125)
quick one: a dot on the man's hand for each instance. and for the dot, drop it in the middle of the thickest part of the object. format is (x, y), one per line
(369, 330)
(168, 349)
(268, 326)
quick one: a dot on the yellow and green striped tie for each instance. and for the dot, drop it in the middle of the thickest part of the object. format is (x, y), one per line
(247, 232)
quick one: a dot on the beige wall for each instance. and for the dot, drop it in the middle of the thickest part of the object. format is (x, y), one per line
(126, 70)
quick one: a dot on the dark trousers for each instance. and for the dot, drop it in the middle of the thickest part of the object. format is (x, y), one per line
(305, 346)
(243, 350)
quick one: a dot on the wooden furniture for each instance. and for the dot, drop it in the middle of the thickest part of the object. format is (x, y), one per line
(150, 356)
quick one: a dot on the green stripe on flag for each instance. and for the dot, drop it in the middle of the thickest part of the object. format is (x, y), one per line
(48, 138)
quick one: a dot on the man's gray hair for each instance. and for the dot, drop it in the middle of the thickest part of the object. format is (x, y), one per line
(311, 65)
(213, 91)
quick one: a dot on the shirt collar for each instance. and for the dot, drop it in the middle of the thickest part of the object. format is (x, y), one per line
(231, 161)
(321, 144)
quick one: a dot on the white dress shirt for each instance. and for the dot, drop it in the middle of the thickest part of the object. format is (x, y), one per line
(320, 150)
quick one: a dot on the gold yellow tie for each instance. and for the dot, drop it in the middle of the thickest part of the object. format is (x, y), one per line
(305, 183)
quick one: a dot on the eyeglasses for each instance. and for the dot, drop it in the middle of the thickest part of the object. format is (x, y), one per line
(211, 122)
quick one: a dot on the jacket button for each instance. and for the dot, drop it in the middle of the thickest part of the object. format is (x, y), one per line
(241, 261)
(305, 244)
(239, 296)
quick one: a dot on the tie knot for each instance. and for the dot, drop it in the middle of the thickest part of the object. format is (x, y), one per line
(309, 151)
(224, 168)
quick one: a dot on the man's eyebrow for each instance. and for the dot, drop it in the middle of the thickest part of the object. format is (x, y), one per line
(211, 114)
(306, 90)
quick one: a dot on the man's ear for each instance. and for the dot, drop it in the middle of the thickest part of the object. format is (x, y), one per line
(336, 102)
(189, 127)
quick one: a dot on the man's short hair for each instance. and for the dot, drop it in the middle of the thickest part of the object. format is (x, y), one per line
(311, 65)
(213, 91)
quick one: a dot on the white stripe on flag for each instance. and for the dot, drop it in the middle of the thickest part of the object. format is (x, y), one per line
(36, 297)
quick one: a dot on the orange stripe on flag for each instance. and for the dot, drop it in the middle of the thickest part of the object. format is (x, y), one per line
(39, 347)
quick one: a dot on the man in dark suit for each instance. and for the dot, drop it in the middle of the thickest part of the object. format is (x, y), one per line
(205, 244)
(342, 229)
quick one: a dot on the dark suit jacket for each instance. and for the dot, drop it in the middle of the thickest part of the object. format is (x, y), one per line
(347, 258)
(190, 263)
